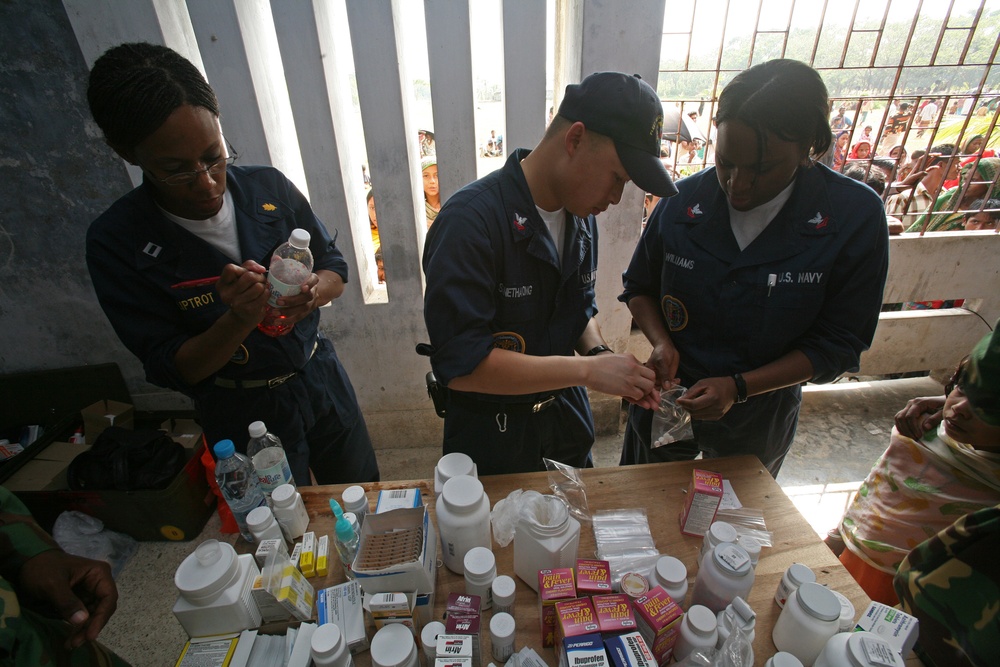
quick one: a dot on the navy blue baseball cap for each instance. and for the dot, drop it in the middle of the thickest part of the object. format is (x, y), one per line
(627, 110)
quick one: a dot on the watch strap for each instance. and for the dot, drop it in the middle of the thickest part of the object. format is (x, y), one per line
(741, 388)
(594, 351)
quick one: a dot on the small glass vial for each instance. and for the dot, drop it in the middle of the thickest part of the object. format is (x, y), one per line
(670, 574)
(782, 659)
(698, 631)
(428, 640)
(724, 574)
(847, 612)
(480, 571)
(290, 511)
(718, 532)
(453, 465)
(328, 647)
(546, 538)
(502, 631)
(753, 546)
(858, 649)
(393, 646)
(796, 575)
(504, 590)
(811, 616)
(356, 501)
(738, 614)
(463, 515)
(261, 523)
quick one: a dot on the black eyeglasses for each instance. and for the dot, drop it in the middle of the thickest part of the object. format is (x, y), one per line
(212, 169)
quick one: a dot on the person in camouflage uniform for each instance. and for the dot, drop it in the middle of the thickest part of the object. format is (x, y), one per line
(951, 582)
(52, 604)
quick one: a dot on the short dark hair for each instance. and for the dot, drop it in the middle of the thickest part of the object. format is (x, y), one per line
(941, 153)
(135, 87)
(784, 97)
(886, 163)
(873, 179)
(990, 207)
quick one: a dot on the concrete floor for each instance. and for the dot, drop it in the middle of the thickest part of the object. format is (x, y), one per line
(843, 429)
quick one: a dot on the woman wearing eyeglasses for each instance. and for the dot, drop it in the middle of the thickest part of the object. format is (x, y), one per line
(194, 216)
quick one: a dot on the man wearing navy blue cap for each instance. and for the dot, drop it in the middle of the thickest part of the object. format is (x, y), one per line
(511, 263)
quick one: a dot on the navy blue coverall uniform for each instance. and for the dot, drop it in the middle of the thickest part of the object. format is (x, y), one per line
(812, 281)
(135, 254)
(494, 280)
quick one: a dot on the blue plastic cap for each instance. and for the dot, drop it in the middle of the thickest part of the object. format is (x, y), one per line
(345, 532)
(337, 510)
(224, 449)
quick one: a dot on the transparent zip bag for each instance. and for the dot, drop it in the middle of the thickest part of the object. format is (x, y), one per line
(671, 422)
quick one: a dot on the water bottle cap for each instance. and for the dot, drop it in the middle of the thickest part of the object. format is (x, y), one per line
(299, 238)
(257, 429)
(345, 532)
(224, 449)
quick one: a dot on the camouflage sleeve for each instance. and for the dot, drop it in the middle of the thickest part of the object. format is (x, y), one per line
(20, 537)
(951, 583)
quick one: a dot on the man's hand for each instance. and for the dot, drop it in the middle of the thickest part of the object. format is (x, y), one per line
(77, 590)
(664, 360)
(244, 290)
(919, 416)
(622, 375)
(709, 399)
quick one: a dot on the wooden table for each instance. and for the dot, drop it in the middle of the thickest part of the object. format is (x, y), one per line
(659, 488)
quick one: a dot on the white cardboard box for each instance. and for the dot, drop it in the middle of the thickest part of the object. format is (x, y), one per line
(414, 575)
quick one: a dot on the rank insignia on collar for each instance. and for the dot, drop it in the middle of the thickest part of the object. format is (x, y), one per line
(519, 222)
(819, 220)
(269, 207)
(694, 211)
(152, 249)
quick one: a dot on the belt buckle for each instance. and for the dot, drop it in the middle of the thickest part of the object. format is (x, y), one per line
(542, 404)
(280, 380)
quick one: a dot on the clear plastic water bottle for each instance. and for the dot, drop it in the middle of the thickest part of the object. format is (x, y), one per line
(237, 480)
(347, 544)
(291, 265)
(269, 459)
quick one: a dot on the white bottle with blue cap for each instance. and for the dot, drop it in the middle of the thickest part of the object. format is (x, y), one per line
(237, 479)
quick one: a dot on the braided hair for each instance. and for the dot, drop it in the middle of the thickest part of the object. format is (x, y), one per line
(784, 97)
(134, 88)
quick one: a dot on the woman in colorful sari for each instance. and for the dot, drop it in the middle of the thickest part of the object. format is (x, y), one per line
(977, 180)
(840, 149)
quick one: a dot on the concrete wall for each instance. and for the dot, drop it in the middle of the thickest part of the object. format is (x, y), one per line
(283, 74)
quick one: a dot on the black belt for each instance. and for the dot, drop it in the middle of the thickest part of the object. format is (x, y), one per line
(270, 383)
(500, 407)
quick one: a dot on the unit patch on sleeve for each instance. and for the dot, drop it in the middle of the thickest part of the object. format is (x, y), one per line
(674, 312)
(508, 340)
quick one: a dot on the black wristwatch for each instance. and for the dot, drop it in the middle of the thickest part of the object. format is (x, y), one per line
(594, 351)
(741, 388)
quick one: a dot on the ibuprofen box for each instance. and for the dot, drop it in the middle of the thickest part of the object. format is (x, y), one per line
(574, 618)
(658, 618)
(629, 650)
(583, 651)
(593, 577)
(701, 503)
(614, 614)
(553, 585)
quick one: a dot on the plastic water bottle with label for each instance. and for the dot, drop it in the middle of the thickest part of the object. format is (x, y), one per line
(291, 265)
(269, 459)
(237, 479)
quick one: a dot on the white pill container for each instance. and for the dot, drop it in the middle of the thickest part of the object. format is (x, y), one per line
(698, 630)
(718, 532)
(670, 574)
(782, 659)
(463, 516)
(547, 537)
(290, 511)
(393, 646)
(504, 590)
(724, 574)
(502, 631)
(480, 571)
(737, 614)
(215, 591)
(811, 616)
(328, 648)
(796, 575)
(428, 640)
(858, 649)
(356, 500)
(453, 465)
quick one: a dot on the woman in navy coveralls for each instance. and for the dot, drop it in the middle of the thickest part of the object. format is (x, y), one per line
(196, 216)
(763, 273)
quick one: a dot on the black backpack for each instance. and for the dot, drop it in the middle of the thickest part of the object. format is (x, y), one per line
(126, 460)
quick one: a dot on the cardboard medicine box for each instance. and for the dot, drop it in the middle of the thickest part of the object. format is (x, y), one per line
(553, 585)
(614, 614)
(593, 577)
(658, 619)
(409, 527)
(629, 650)
(701, 503)
(582, 651)
(342, 604)
(574, 618)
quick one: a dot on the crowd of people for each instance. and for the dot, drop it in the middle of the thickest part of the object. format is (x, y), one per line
(751, 278)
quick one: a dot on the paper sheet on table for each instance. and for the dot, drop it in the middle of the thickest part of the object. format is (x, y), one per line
(729, 499)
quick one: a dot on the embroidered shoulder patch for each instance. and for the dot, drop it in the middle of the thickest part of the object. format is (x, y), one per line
(508, 340)
(241, 356)
(674, 312)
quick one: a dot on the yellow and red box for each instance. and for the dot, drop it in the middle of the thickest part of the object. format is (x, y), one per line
(593, 577)
(574, 618)
(614, 614)
(658, 619)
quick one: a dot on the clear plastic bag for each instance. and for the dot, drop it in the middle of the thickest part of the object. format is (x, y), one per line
(566, 483)
(83, 535)
(623, 539)
(748, 521)
(671, 422)
(735, 652)
(504, 517)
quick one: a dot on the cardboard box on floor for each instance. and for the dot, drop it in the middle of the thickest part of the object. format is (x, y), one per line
(104, 413)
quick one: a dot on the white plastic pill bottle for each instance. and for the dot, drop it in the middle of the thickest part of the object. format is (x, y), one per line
(811, 616)
(848, 615)
(502, 632)
(328, 647)
(463, 516)
(261, 523)
(453, 465)
(393, 646)
(356, 500)
(737, 614)
(480, 571)
(504, 590)
(724, 574)
(796, 575)
(670, 574)
(698, 631)
(428, 640)
(718, 532)
(858, 649)
(547, 537)
(290, 511)
(782, 659)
